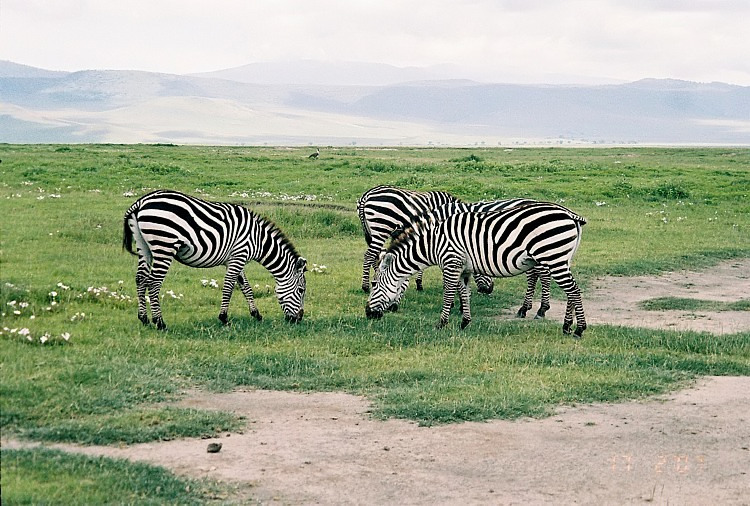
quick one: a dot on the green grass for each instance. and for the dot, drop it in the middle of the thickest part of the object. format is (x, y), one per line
(52, 477)
(685, 304)
(100, 377)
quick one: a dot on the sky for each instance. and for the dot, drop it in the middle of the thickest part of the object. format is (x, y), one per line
(542, 41)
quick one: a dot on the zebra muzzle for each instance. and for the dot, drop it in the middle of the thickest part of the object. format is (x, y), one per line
(372, 314)
(295, 318)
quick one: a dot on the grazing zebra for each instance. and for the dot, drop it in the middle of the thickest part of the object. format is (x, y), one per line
(383, 209)
(485, 284)
(498, 244)
(169, 225)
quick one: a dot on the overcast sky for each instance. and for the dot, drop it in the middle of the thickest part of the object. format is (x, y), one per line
(519, 40)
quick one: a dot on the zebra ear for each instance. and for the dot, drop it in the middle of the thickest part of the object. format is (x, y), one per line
(301, 264)
(380, 258)
(386, 261)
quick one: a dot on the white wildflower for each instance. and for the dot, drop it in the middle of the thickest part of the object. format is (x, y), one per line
(65, 335)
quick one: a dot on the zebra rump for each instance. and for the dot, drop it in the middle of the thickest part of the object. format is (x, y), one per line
(498, 244)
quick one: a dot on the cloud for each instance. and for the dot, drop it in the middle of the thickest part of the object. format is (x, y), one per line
(513, 39)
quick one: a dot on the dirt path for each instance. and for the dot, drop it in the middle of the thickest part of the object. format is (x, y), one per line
(691, 447)
(687, 448)
(615, 300)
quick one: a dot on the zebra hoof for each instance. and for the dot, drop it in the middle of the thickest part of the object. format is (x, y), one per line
(160, 324)
(441, 324)
(420, 288)
(393, 308)
(465, 322)
(223, 318)
(542, 312)
(521, 313)
(579, 331)
(144, 319)
(365, 288)
(256, 314)
(566, 329)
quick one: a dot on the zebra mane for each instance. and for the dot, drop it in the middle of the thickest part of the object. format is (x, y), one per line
(275, 231)
(415, 228)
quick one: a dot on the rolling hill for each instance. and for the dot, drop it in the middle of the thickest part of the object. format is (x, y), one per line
(37, 105)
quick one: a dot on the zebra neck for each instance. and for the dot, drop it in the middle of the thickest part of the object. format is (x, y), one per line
(417, 256)
(273, 250)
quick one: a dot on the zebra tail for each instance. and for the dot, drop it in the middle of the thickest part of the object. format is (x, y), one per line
(127, 235)
(365, 228)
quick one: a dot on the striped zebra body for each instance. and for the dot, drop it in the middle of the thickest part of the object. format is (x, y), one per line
(167, 225)
(485, 284)
(497, 244)
(383, 209)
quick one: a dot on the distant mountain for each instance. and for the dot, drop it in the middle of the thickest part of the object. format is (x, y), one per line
(317, 73)
(129, 106)
(10, 69)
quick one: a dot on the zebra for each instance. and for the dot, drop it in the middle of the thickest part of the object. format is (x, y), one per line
(382, 210)
(485, 284)
(168, 225)
(499, 244)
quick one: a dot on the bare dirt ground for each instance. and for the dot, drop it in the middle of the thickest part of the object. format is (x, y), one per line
(614, 300)
(690, 447)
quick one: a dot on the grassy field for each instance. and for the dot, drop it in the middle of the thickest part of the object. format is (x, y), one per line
(77, 366)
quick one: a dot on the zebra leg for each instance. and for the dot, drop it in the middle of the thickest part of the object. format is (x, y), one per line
(158, 273)
(141, 278)
(451, 274)
(544, 277)
(234, 269)
(568, 320)
(564, 278)
(418, 280)
(464, 292)
(247, 290)
(371, 256)
(528, 298)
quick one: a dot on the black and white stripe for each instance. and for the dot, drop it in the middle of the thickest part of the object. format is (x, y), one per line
(168, 225)
(383, 209)
(497, 244)
(485, 284)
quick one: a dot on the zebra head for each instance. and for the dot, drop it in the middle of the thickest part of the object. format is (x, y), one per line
(388, 289)
(290, 290)
(485, 284)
